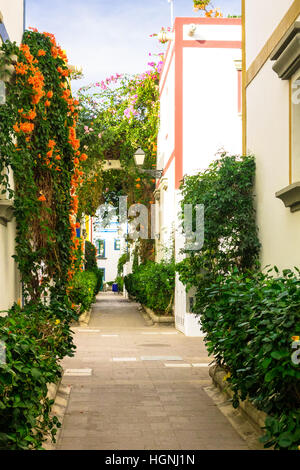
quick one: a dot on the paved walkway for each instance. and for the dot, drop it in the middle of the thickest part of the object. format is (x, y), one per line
(146, 388)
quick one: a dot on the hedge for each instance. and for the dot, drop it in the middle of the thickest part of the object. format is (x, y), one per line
(152, 284)
(83, 288)
(250, 325)
(35, 339)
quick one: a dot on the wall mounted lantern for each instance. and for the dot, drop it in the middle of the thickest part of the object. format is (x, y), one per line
(139, 158)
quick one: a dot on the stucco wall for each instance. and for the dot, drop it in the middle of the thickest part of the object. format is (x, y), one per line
(268, 140)
(210, 106)
(261, 20)
(210, 122)
(10, 290)
(167, 108)
(110, 261)
(13, 18)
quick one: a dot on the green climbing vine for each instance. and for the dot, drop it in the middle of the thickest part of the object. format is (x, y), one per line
(40, 172)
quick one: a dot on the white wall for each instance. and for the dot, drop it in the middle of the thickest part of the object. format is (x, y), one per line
(166, 130)
(210, 106)
(110, 261)
(211, 122)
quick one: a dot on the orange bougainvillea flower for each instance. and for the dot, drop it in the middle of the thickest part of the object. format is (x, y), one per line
(66, 94)
(54, 52)
(63, 72)
(50, 94)
(27, 127)
(21, 69)
(16, 127)
(42, 198)
(41, 52)
(51, 144)
(31, 115)
(83, 157)
(49, 154)
(47, 103)
(57, 157)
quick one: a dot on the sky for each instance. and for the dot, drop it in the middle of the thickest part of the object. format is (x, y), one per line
(106, 37)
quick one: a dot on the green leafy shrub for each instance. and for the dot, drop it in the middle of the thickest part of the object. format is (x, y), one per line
(122, 260)
(120, 282)
(37, 123)
(82, 289)
(90, 261)
(231, 237)
(152, 284)
(35, 339)
(249, 317)
(99, 276)
(250, 323)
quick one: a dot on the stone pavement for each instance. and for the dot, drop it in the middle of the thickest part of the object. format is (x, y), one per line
(145, 389)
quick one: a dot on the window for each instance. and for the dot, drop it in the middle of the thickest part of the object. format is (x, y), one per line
(117, 244)
(101, 248)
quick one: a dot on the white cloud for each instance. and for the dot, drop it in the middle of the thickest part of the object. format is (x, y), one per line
(106, 37)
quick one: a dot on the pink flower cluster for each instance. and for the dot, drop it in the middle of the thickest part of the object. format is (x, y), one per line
(87, 130)
(105, 83)
(130, 112)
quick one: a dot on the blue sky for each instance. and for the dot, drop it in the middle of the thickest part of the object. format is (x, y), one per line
(110, 36)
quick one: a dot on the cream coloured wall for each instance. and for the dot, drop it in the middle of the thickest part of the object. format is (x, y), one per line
(268, 140)
(13, 18)
(9, 277)
(261, 20)
(10, 289)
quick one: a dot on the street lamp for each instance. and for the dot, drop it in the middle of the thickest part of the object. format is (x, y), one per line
(139, 158)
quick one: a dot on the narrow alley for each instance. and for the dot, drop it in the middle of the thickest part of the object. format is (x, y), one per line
(145, 388)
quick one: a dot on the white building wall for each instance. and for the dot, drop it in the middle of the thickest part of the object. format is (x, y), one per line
(110, 261)
(10, 290)
(167, 214)
(166, 130)
(211, 123)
